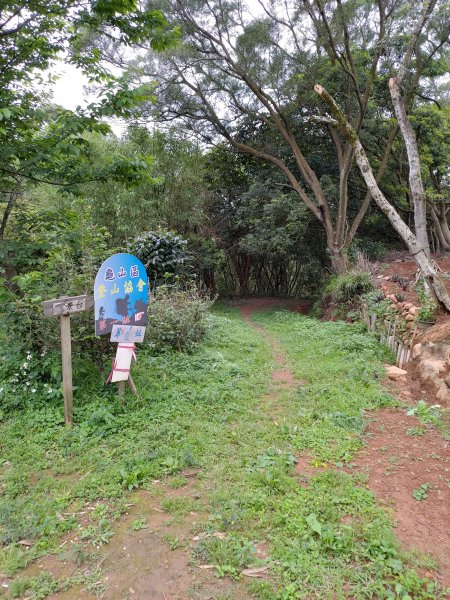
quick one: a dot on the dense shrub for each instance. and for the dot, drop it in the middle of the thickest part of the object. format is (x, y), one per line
(50, 252)
(165, 256)
(373, 249)
(348, 287)
(177, 318)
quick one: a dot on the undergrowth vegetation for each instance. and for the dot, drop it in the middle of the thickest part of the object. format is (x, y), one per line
(349, 286)
(341, 296)
(326, 536)
(178, 318)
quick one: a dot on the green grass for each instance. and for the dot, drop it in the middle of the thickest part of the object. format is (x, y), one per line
(327, 537)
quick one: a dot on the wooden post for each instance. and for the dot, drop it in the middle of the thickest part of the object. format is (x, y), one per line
(399, 352)
(121, 389)
(132, 385)
(63, 308)
(66, 351)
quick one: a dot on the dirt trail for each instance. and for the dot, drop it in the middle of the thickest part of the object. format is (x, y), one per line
(396, 461)
(140, 565)
(283, 375)
(149, 564)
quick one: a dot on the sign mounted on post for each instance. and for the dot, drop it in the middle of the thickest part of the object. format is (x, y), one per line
(121, 294)
(127, 333)
(121, 302)
(67, 306)
(63, 308)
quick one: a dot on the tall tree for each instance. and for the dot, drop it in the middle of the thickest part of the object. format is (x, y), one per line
(411, 240)
(397, 88)
(43, 143)
(238, 66)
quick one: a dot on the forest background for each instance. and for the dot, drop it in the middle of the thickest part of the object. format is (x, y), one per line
(233, 174)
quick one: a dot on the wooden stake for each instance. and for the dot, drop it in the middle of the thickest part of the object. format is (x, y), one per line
(403, 356)
(121, 389)
(412, 339)
(132, 385)
(66, 351)
(399, 352)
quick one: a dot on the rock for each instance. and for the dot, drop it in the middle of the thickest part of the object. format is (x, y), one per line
(447, 381)
(406, 395)
(387, 278)
(414, 310)
(417, 351)
(409, 317)
(443, 393)
(395, 373)
(408, 305)
(430, 369)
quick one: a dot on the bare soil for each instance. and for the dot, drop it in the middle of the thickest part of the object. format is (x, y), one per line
(397, 464)
(401, 264)
(140, 565)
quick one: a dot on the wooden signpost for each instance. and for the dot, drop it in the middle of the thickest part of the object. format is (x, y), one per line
(120, 301)
(63, 308)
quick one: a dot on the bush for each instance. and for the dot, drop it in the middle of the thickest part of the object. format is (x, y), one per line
(177, 318)
(373, 249)
(51, 252)
(348, 288)
(164, 255)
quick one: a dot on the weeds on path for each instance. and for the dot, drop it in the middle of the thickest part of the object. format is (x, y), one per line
(324, 536)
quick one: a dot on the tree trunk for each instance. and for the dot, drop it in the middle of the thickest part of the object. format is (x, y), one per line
(408, 134)
(339, 260)
(414, 246)
(242, 265)
(440, 223)
(415, 176)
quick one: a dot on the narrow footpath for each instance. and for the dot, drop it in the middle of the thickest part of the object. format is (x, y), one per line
(153, 562)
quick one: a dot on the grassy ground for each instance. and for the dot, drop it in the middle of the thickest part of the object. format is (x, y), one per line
(327, 538)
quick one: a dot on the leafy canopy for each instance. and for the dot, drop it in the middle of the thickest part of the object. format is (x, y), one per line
(41, 142)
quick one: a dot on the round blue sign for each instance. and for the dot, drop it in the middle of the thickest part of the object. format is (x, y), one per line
(121, 293)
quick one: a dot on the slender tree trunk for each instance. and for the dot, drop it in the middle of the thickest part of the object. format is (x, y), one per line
(415, 176)
(242, 265)
(408, 134)
(414, 246)
(8, 209)
(439, 218)
(9, 269)
(437, 228)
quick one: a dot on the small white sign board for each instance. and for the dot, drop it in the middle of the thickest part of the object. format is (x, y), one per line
(122, 363)
(127, 333)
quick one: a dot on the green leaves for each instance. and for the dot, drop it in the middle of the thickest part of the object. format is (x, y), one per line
(39, 142)
(5, 113)
(314, 524)
(165, 255)
(421, 493)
